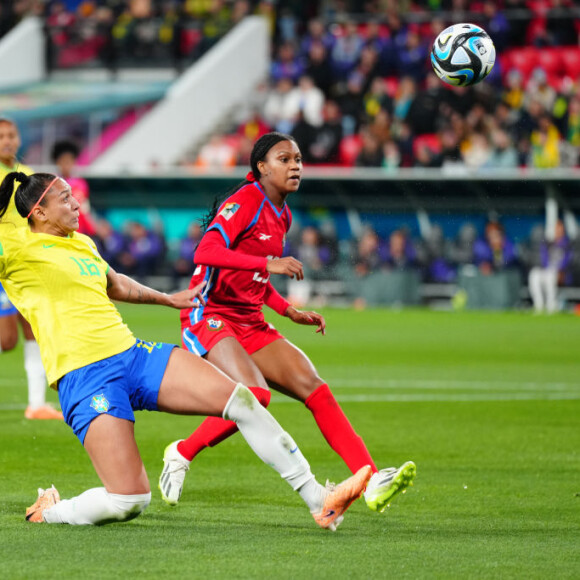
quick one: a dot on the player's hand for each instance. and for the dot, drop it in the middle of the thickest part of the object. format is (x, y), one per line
(192, 297)
(308, 318)
(288, 266)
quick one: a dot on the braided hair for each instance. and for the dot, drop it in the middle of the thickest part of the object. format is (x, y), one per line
(27, 193)
(259, 152)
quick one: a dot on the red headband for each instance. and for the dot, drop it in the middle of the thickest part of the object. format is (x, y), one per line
(42, 196)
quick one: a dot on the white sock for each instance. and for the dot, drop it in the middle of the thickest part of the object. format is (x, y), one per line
(273, 445)
(96, 507)
(35, 374)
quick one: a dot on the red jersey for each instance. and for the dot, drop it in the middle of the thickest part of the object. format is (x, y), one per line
(251, 229)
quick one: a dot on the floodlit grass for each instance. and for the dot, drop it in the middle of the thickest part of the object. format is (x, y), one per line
(486, 404)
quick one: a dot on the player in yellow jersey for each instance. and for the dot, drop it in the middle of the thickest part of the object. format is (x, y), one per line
(9, 316)
(57, 279)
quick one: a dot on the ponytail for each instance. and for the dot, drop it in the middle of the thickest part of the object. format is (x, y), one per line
(7, 189)
(27, 194)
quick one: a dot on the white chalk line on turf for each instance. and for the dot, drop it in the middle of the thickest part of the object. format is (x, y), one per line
(450, 385)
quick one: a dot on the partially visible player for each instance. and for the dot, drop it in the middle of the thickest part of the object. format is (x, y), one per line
(58, 280)
(241, 247)
(64, 155)
(9, 317)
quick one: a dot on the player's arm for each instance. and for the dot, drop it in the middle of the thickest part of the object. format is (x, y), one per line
(279, 304)
(213, 252)
(125, 289)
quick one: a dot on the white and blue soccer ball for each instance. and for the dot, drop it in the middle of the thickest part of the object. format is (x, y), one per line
(463, 55)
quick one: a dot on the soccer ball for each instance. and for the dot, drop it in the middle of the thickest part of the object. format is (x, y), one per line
(462, 55)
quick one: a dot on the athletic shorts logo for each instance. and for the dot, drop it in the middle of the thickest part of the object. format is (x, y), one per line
(229, 210)
(214, 324)
(100, 404)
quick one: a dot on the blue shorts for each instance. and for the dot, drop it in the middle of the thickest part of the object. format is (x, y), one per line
(118, 385)
(6, 307)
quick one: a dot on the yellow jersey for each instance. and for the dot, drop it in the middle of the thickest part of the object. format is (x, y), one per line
(12, 215)
(60, 286)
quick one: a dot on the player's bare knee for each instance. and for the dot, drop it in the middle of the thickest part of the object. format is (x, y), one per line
(8, 342)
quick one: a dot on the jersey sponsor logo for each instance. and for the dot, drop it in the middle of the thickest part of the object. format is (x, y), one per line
(100, 404)
(215, 324)
(229, 210)
(264, 237)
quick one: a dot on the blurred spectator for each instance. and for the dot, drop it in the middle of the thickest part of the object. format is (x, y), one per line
(370, 253)
(392, 158)
(545, 144)
(313, 254)
(216, 154)
(324, 147)
(404, 96)
(318, 67)
(352, 106)
(496, 25)
(346, 50)
(64, 155)
(287, 64)
(552, 271)
(111, 244)
(433, 255)
(371, 154)
(504, 154)
(495, 252)
(316, 35)
(413, 57)
(377, 99)
(461, 250)
(146, 250)
(307, 99)
(541, 89)
(477, 152)
(401, 252)
(278, 111)
(423, 111)
(183, 265)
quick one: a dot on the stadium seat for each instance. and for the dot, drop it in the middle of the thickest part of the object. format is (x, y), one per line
(431, 140)
(570, 57)
(349, 149)
(550, 59)
(524, 59)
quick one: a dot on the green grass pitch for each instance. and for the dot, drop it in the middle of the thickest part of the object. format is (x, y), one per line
(486, 404)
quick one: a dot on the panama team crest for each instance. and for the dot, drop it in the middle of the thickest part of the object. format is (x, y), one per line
(229, 210)
(214, 324)
(100, 404)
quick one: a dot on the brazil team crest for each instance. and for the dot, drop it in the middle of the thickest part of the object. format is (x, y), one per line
(229, 210)
(214, 324)
(100, 403)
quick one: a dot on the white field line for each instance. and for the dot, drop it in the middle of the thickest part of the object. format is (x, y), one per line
(441, 384)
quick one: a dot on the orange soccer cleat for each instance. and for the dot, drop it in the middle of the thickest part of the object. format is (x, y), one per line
(46, 499)
(340, 497)
(44, 412)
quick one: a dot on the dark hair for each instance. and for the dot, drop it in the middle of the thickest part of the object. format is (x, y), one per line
(259, 152)
(62, 147)
(27, 193)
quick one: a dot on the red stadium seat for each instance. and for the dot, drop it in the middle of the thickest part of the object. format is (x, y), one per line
(570, 57)
(430, 140)
(551, 61)
(524, 59)
(349, 149)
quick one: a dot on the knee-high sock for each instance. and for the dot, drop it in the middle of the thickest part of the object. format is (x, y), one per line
(337, 429)
(35, 374)
(96, 507)
(273, 445)
(214, 429)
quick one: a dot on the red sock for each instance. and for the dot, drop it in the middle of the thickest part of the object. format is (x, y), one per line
(337, 429)
(215, 429)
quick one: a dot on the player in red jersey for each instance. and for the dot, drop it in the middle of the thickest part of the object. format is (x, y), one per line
(241, 247)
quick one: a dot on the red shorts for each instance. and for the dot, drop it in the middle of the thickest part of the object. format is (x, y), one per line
(203, 336)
